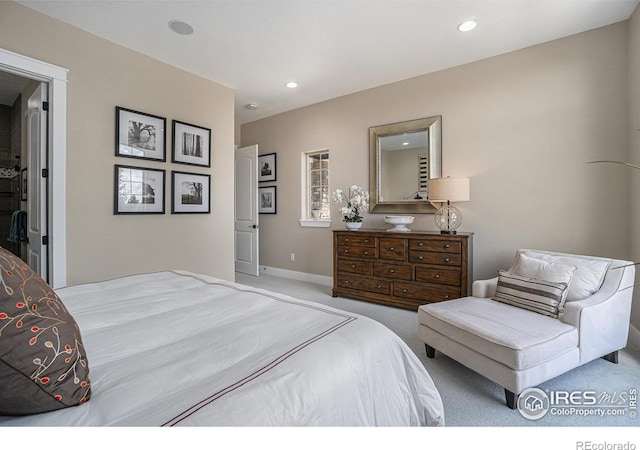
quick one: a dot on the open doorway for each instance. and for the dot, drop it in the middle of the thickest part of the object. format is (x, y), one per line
(49, 173)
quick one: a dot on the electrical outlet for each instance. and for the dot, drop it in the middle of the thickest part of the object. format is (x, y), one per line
(293, 257)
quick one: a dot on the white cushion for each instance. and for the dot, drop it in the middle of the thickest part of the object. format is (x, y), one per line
(588, 277)
(540, 269)
(528, 266)
(539, 296)
(515, 337)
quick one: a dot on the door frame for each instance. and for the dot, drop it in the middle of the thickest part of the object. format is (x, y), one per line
(56, 77)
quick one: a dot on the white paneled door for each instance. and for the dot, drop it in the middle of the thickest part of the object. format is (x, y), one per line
(36, 181)
(246, 210)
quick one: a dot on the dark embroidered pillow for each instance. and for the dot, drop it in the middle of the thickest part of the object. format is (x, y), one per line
(43, 364)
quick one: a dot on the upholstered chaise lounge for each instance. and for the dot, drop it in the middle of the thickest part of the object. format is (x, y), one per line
(549, 313)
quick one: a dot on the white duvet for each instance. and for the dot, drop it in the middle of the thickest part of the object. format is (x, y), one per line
(176, 349)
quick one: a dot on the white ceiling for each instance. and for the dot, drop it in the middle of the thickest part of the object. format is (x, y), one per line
(331, 48)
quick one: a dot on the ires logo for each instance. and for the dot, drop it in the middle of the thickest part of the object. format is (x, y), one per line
(575, 398)
(534, 403)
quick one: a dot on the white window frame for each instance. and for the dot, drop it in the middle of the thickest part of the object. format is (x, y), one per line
(305, 220)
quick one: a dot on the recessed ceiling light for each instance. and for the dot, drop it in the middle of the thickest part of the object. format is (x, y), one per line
(180, 27)
(405, 143)
(467, 25)
(292, 85)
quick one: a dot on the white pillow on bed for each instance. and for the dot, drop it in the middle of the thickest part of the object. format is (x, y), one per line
(588, 277)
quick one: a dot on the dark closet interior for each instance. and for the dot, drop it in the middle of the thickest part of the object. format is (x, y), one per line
(10, 151)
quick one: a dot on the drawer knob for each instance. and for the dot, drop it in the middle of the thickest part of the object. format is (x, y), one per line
(366, 241)
(420, 244)
(392, 271)
(391, 249)
(379, 286)
(366, 253)
(346, 281)
(353, 266)
(346, 251)
(404, 291)
(346, 239)
(446, 245)
(446, 297)
(420, 258)
(446, 260)
(437, 276)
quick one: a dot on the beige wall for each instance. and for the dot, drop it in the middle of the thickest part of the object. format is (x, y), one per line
(522, 126)
(103, 75)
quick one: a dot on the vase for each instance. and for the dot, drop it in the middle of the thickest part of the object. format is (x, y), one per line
(352, 226)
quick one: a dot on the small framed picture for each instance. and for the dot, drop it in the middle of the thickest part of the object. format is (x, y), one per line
(267, 200)
(191, 144)
(23, 184)
(139, 190)
(267, 167)
(191, 193)
(140, 135)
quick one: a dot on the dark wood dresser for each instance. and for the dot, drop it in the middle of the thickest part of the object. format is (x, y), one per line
(401, 269)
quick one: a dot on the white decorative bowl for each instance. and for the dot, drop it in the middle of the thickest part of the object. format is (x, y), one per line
(399, 223)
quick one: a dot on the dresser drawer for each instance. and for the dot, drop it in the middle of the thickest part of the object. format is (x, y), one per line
(443, 259)
(364, 284)
(353, 239)
(438, 276)
(353, 266)
(434, 245)
(393, 249)
(423, 293)
(393, 271)
(359, 252)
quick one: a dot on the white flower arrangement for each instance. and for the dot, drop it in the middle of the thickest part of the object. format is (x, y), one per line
(357, 202)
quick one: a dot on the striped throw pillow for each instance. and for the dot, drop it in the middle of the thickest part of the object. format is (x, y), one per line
(540, 296)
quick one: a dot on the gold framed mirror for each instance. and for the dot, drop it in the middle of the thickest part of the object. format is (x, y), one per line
(403, 157)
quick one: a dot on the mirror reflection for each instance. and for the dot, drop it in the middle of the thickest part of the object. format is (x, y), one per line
(403, 156)
(403, 166)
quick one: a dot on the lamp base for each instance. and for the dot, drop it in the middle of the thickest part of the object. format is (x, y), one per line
(448, 218)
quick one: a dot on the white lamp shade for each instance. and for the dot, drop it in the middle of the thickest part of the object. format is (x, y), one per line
(449, 189)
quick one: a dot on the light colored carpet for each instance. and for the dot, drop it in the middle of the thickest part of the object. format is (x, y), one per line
(471, 400)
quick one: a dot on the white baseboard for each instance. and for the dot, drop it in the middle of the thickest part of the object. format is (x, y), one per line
(302, 276)
(634, 338)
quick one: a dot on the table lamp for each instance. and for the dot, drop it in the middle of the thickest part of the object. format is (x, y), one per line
(448, 218)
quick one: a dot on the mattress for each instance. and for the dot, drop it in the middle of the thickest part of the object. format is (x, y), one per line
(182, 349)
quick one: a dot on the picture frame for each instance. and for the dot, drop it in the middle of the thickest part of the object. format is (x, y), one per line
(191, 144)
(139, 190)
(23, 184)
(267, 200)
(140, 135)
(267, 167)
(191, 193)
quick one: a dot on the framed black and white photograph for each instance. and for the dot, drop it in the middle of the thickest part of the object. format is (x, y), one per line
(267, 167)
(23, 184)
(191, 144)
(139, 190)
(267, 200)
(191, 193)
(140, 135)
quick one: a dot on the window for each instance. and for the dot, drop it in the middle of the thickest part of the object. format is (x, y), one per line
(316, 201)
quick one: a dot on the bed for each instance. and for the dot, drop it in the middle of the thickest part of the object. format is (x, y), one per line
(181, 349)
